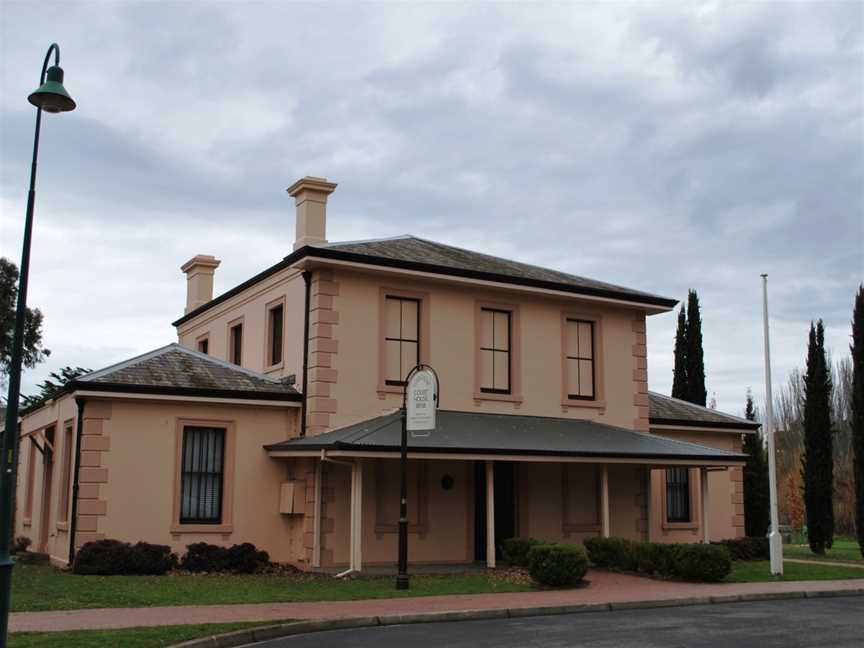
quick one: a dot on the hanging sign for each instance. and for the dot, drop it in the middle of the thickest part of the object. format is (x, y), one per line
(420, 394)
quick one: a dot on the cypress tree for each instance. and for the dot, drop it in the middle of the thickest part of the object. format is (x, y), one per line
(679, 375)
(857, 348)
(817, 462)
(757, 502)
(696, 392)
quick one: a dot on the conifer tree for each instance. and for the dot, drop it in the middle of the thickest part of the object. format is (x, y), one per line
(696, 392)
(857, 348)
(817, 462)
(679, 377)
(757, 512)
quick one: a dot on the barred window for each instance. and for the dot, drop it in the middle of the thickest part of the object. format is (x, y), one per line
(401, 338)
(495, 331)
(678, 495)
(202, 475)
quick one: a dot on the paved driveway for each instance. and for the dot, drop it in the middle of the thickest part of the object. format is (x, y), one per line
(837, 622)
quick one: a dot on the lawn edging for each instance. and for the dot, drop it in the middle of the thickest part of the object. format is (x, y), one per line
(267, 632)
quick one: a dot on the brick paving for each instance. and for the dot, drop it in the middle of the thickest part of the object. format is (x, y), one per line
(602, 587)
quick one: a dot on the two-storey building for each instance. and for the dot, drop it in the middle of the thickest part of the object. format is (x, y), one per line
(275, 418)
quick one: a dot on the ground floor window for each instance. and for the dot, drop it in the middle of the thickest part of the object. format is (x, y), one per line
(203, 458)
(678, 495)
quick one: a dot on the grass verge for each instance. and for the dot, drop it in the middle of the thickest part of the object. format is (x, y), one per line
(844, 550)
(31, 583)
(760, 571)
(127, 637)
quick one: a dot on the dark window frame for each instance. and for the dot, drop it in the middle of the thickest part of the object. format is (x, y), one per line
(275, 335)
(204, 345)
(401, 338)
(236, 345)
(186, 475)
(495, 351)
(579, 359)
(678, 501)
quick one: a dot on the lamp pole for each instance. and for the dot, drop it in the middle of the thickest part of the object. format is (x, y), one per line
(775, 541)
(51, 97)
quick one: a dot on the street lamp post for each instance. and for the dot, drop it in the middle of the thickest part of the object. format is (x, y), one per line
(51, 97)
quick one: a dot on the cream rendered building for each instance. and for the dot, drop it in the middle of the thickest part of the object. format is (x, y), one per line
(274, 420)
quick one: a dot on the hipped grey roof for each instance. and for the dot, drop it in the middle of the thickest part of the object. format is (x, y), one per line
(412, 253)
(665, 410)
(480, 433)
(176, 369)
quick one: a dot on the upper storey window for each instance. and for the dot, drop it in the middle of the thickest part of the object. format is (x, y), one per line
(580, 359)
(495, 351)
(275, 328)
(235, 343)
(401, 338)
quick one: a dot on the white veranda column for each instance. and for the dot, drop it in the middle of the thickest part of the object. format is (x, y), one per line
(357, 515)
(604, 500)
(490, 514)
(316, 530)
(706, 509)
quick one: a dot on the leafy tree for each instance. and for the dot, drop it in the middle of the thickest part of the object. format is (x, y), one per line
(52, 387)
(696, 392)
(817, 462)
(679, 379)
(857, 348)
(757, 502)
(34, 352)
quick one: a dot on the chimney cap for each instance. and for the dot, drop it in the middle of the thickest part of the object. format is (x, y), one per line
(200, 261)
(312, 183)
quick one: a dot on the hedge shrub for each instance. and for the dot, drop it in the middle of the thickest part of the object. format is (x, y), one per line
(116, 558)
(700, 562)
(557, 565)
(748, 548)
(240, 559)
(707, 563)
(516, 550)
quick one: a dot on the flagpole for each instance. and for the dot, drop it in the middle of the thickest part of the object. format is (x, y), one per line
(775, 541)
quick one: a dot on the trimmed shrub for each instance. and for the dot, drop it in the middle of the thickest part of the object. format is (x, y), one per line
(557, 565)
(241, 559)
(708, 563)
(747, 548)
(116, 558)
(617, 553)
(516, 550)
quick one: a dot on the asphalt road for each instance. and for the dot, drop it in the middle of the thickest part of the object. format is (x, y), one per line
(834, 622)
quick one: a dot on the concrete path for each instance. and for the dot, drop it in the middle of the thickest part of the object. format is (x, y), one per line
(602, 587)
(829, 563)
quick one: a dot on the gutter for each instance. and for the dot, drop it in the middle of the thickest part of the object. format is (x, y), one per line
(307, 279)
(73, 522)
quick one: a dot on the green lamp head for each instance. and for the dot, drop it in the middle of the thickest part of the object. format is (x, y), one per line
(51, 96)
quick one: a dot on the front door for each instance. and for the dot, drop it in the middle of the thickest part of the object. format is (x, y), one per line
(505, 506)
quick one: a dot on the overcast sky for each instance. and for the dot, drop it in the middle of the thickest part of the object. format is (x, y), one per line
(662, 147)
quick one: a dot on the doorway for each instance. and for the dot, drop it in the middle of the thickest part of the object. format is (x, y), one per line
(47, 474)
(505, 506)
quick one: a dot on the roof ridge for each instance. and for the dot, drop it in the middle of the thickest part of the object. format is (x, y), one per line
(702, 407)
(327, 244)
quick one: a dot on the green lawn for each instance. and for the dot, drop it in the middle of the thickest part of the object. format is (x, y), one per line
(844, 550)
(759, 571)
(41, 587)
(128, 637)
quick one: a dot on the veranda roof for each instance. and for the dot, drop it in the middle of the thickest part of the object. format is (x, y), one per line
(474, 433)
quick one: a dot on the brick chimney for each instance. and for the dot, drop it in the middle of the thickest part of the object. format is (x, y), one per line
(310, 196)
(199, 280)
